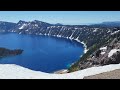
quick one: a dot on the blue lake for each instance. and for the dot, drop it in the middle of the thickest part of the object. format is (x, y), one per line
(41, 53)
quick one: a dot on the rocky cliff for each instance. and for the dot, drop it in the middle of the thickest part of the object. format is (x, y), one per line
(105, 54)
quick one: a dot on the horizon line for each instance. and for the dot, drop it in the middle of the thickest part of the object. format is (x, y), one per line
(60, 23)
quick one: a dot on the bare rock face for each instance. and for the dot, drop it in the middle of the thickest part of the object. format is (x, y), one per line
(115, 59)
(100, 60)
(6, 52)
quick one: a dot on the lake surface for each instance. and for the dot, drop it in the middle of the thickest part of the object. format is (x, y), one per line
(41, 53)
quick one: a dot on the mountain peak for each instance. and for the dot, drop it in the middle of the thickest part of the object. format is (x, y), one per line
(21, 21)
(58, 24)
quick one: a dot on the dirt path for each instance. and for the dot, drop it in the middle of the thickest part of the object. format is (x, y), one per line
(115, 74)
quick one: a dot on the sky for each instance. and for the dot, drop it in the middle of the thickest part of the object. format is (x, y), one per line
(63, 17)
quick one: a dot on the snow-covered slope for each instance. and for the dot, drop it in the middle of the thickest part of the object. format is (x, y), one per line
(11, 71)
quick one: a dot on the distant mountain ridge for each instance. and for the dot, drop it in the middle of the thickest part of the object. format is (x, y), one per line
(83, 33)
(5, 26)
(10, 25)
(108, 24)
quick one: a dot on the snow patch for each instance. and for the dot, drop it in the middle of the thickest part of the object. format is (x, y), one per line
(103, 48)
(76, 28)
(22, 27)
(112, 52)
(95, 30)
(26, 30)
(52, 26)
(109, 31)
(36, 25)
(85, 46)
(115, 32)
(20, 32)
(58, 35)
(48, 27)
(102, 53)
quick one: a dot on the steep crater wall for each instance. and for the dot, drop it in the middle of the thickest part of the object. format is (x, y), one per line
(91, 36)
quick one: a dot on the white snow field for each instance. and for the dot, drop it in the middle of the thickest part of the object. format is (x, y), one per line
(11, 71)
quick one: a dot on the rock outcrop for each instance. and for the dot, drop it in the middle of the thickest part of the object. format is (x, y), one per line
(106, 56)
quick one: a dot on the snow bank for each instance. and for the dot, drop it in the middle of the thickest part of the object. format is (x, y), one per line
(112, 52)
(103, 48)
(85, 46)
(102, 53)
(11, 71)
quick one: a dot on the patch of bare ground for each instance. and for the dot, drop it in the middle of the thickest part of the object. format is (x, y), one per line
(115, 74)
